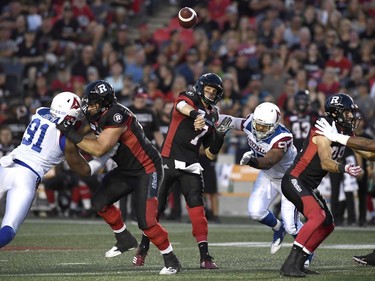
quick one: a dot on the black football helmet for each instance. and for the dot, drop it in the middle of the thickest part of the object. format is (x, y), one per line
(336, 106)
(98, 92)
(213, 80)
(302, 100)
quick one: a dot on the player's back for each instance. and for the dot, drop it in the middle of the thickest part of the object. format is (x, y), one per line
(40, 147)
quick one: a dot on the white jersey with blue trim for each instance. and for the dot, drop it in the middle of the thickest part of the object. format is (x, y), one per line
(42, 145)
(281, 138)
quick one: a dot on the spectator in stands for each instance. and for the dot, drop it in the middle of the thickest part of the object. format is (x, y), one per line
(206, 22)
(17, 119)
(289, 90)
(186, 69)
(65, 32)
(41, 93)
(86, 60)
(231, 101)
(330, 40)
(92, 31)
(5, 92)
(329, 84)
(179, 83)
(339, 62)
(63, 80)
(174, 49)
(313, 63)
(148, 43)
(7, 45)
(102, 12)
(166, 78)
(6, 140)
(31, 56)
(116, 77)
(134, 60)
(121, 39)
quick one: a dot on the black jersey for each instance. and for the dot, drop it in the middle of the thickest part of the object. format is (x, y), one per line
(182, 142)
(306, 166)
(135, 155)
(300, 125)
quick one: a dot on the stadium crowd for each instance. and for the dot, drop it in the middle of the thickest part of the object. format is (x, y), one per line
(264, 50)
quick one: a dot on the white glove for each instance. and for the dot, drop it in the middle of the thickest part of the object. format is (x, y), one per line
(98, 163)
(352, 170)
(246, 157)
(330, 132)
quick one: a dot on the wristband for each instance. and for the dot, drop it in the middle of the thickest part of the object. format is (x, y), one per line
(217, 144)
(341, 168)
(253, 162)
(74, 137)
(343, 139)
(193, 114)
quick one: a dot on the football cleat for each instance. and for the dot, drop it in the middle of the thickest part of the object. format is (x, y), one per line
(125, 242)
(171, 264)
(366, 260)
(278, 238)
(140, 256)
(208, 263)
(168, 271)
(309, 271)
(309, 260)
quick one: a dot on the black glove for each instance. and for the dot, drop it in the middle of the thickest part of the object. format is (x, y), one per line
(220, 132)
(66, 127)
(224, 126)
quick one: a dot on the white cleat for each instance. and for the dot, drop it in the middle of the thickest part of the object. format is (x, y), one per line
(113, 252)
(275, 246)
(168, 271)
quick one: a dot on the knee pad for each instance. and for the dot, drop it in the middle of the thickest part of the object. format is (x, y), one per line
(7, 234)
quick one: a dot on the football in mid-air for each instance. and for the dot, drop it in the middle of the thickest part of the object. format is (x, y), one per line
(187, 17)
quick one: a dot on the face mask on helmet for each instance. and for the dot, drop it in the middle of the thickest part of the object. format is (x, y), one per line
(302, 100)
(343, 110)
(99, 93)
(266, 118)
(66, 105)
(212, 80)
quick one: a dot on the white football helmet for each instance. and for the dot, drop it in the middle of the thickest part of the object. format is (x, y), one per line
(266, 118)
(66, 104)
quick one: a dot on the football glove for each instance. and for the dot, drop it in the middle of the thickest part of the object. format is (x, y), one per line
(246, 157)
(66, 127)
(330, 131)
(224, 126)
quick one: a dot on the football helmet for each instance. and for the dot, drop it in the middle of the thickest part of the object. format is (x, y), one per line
(302, 100)
(66, 104)
(98, 92)
(266, 118)
(213, 80)
(337, 106)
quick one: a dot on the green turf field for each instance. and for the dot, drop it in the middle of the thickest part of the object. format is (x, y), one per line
(74, 250)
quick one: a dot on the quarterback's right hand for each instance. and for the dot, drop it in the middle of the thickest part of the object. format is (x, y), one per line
(324, 128)
(246, 157)
(199, 122)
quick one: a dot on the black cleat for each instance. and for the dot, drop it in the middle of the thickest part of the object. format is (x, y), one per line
(125, 242)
